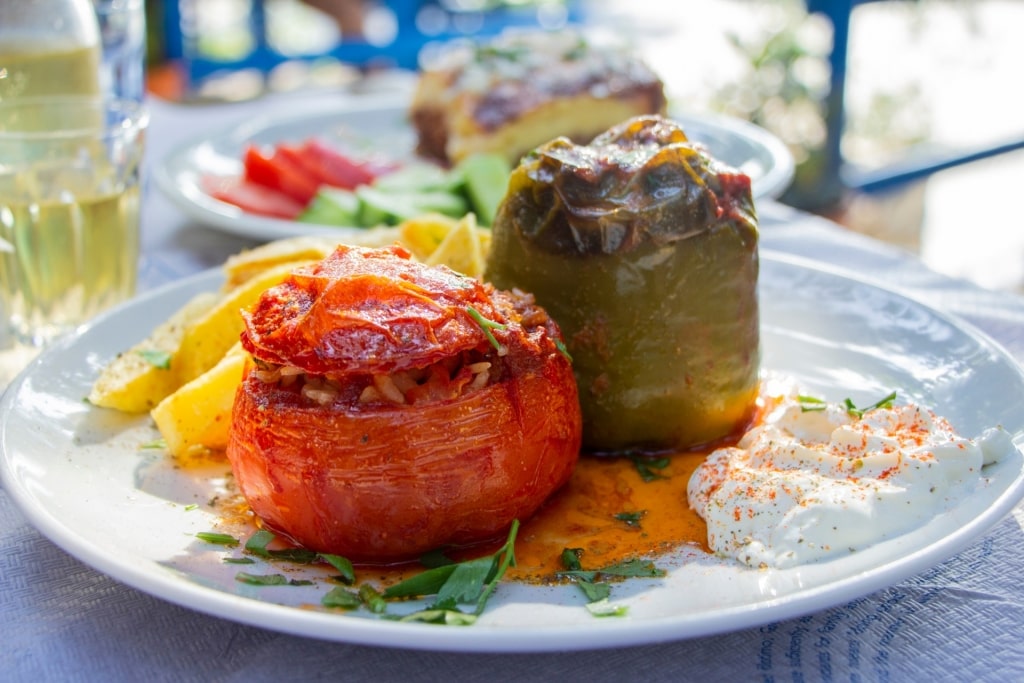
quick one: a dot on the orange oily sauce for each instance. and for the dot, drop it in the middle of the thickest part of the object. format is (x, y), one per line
(583, 515)
(655, 519)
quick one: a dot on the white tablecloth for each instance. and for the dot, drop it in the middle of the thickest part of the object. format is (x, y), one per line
(962, 620)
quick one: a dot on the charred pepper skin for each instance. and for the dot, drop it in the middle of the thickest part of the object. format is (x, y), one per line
(644, 250)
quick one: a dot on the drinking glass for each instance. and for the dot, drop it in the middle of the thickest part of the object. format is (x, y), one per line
(69, 211)
(122, 25)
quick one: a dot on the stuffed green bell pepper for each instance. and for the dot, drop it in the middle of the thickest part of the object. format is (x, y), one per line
(644, 249)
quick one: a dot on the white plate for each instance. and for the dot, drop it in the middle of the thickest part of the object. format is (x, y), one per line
(79, 475)
(381, 126)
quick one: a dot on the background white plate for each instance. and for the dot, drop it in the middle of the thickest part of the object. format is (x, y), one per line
(381, 126)
(80, 476)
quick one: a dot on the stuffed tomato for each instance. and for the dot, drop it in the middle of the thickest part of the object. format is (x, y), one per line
(391, 408)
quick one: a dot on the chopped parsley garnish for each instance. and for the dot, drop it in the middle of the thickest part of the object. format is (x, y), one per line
(630, 569)
(341, 597)
(645, 466)
(270, 580)
(560, 345)
(631, 518)
(886, 402)
(452, 583)
(599, 592)
(262, 579)
(346, 572)
(156, 358)
(258, 542)
(444, 617)
(471, 582)
(487, 325)
(217, 538)
(372, 598)
(811, 404)
(604, 608)
(435, 558)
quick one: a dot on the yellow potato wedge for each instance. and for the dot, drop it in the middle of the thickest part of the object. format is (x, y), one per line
(460, 249)
(423, 235)
(207, 339)
(196, 418)
(247, 264)
(136, 380)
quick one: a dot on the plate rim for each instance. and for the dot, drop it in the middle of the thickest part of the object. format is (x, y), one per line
(232, 220)
(479, 638)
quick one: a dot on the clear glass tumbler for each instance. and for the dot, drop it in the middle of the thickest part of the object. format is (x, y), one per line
(122, 26)
(69, 210)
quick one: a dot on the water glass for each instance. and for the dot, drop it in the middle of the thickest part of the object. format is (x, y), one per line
(69, 210)
(122, 25)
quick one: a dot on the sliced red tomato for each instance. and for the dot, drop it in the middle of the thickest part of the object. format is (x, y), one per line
(337, 169)
(298, 157)
(279, 173)
(253, 198)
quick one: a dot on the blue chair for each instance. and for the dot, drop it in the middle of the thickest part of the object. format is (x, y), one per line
(402, 52)
(839, 176)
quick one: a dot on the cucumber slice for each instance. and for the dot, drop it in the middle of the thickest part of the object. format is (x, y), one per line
(332, 206)
(419, 177)
(486, 178)
(378, 207)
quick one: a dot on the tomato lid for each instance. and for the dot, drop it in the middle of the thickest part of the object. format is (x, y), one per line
(364, 310)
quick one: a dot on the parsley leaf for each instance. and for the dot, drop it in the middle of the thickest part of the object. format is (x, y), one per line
(645, 466)
(469, 582)
(886, 402)
(372, 598)
(444, 617)
(603, 608)
(635, 568)
(631, 518)
(270, 580)
(811, 404)
(487, 325)
(258, 542)
(435, 558)
(598, 593)
(595, 592)
(346, 572)
(341, 597)
(156, 358)
(562, 349)
(217, 538)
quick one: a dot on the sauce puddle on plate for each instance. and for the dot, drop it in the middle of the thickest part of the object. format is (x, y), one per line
(613, 514)
(613, 509)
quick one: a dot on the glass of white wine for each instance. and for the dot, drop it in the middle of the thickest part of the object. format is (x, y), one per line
(70, 171)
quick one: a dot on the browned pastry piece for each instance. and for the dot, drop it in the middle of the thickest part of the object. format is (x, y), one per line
(524, 88)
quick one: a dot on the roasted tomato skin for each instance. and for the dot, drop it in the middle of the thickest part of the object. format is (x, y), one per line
(379, 482)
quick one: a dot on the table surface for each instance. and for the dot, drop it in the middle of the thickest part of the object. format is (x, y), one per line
(62, 620)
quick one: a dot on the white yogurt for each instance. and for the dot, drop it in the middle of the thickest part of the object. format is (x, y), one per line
(812, 484)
